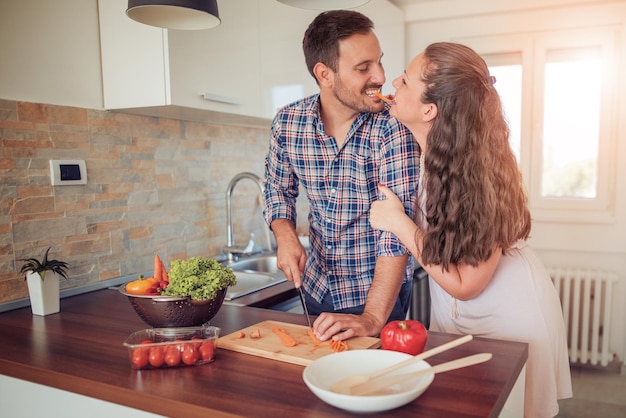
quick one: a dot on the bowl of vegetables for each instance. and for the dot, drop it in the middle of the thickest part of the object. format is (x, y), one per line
(189, 295)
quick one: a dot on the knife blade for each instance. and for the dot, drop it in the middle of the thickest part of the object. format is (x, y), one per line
(306, 311)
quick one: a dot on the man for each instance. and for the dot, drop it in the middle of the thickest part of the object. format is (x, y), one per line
(339, 145)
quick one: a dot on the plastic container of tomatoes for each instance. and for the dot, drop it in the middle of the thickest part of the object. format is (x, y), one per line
(158, 348)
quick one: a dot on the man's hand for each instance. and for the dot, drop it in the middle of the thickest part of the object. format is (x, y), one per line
(290, 254)
(343, 326)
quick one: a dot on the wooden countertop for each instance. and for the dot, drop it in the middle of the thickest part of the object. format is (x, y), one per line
(80, 350)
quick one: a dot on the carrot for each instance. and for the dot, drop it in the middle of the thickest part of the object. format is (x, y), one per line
(338, 346)
(313, 336)
(284, 337)
(157, 268)
(164, 275)
(383, 98)
(241, 335)
(255, 334)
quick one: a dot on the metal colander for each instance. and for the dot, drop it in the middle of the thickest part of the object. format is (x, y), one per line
(167, 311)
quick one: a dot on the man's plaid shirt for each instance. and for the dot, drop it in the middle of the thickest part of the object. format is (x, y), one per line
(340, 185)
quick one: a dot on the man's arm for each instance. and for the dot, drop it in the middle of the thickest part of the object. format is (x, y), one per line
(388, 276)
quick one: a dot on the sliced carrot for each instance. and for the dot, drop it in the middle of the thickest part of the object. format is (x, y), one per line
(241, 335)
(157, 268)
(338, 346)
(284, 337)
(313, 336)
(255, 334)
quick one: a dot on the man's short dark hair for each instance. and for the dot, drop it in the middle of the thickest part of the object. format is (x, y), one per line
(321, 39)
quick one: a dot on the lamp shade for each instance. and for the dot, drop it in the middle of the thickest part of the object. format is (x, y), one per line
(324, 4)
(175, 14)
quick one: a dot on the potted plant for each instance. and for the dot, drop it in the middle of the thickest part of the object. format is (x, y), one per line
(44, 288)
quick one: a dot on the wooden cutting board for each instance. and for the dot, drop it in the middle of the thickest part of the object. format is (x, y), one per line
(270, 345)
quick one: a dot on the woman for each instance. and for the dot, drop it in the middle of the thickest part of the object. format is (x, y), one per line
(473, 220)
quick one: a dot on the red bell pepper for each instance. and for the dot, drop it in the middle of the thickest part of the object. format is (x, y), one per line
(408, 336)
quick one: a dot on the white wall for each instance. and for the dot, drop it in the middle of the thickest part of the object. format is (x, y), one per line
(590, 244)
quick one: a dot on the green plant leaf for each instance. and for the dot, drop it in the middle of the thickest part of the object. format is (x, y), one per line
(34, 265)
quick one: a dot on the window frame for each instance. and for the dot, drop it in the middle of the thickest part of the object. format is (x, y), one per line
(533, 49)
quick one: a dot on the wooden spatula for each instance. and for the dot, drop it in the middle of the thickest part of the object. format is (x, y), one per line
(380, 384)
(345, 384)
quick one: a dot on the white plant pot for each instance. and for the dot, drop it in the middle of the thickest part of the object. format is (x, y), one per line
(44, 294)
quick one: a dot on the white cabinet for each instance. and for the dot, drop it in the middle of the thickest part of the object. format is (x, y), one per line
(168, 73)
(249, 65)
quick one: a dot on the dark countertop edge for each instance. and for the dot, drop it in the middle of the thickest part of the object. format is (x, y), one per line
(508, 388)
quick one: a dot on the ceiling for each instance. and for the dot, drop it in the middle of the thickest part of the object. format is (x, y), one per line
(401, 3)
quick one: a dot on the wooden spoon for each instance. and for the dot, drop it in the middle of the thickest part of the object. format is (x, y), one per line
(382, 384)
(345, 384)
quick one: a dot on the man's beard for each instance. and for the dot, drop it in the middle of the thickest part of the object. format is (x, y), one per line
(359, 103)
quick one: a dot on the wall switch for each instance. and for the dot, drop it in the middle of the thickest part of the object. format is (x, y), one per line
(68, 172)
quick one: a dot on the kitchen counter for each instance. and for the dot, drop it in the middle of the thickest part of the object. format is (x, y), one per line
(80, 350)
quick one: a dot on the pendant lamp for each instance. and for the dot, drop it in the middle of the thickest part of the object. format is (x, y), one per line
(175, 14)
(324, 4)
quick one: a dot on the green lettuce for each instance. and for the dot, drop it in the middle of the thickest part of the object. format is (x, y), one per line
(199, 278)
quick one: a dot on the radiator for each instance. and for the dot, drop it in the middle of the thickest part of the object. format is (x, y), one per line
(586, 303)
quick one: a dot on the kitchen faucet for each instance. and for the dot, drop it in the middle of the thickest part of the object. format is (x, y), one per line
(230, 248)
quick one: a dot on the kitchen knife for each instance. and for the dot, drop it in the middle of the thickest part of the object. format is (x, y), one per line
(306, 311)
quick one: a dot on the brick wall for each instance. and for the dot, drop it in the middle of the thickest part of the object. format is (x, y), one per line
(154, 185)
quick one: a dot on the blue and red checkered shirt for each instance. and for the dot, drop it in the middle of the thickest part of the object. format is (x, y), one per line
(340, 185)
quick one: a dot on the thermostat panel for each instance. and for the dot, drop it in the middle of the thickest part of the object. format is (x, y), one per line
(68, 172)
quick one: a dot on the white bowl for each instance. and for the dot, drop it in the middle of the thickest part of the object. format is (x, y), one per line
(322, 373)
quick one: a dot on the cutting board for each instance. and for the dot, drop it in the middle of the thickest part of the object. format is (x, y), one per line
(270, 345)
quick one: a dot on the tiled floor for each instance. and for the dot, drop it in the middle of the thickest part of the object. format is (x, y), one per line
(597, 394)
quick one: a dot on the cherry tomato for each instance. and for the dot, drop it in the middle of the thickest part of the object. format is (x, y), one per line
(190, 355)
(156, 357)
(180, 345)
(207, 349)
(140, 358)
(196, 341)
(172, 356)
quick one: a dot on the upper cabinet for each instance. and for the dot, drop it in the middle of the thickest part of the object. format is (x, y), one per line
(250, 65)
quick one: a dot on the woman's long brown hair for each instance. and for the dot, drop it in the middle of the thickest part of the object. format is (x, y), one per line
(475, 197)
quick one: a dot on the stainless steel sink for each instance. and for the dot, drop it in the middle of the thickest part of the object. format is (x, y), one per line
(253, 274)
(264, 264)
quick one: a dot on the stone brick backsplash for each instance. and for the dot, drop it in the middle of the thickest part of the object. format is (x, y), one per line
(154, 186)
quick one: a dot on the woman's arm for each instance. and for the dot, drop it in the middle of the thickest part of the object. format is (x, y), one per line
(463, 281)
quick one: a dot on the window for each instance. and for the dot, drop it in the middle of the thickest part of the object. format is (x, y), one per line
(571, 123)
(556, 95)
